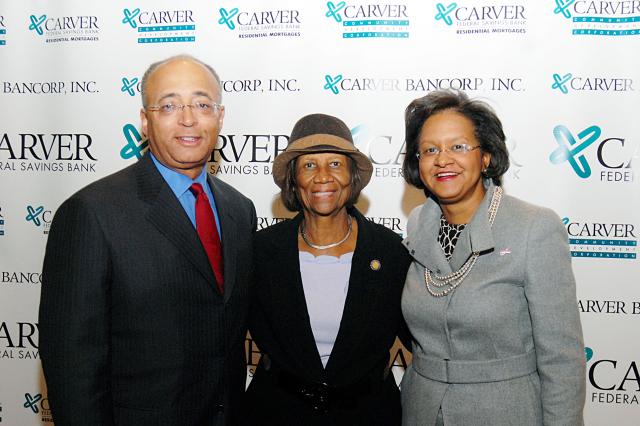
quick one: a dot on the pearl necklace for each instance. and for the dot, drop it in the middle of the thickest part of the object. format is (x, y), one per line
(454, 279)
(328, 246)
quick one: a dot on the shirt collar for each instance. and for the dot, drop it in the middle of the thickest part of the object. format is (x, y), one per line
(178, 182)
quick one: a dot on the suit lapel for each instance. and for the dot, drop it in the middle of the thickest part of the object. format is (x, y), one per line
(166, 213)
(229, 231)
(288, 293)
(361, 299)
(476, 236)
(423, 244)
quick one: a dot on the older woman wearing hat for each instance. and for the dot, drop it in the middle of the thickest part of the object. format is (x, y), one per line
(327, 291)
(490, 296)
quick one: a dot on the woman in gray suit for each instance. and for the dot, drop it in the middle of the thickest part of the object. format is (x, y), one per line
(490, 296)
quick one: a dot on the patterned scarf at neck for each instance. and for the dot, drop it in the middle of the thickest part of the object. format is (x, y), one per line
(448, 236)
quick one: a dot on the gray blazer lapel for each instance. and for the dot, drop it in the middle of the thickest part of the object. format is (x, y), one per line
(228, 229)
(422, 238)
(166, 213)
(477, 236)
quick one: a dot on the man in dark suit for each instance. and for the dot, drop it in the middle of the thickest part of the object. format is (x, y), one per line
(141, 321)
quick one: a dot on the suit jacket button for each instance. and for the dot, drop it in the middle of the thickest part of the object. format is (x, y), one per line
(220, 407)
(266, 361)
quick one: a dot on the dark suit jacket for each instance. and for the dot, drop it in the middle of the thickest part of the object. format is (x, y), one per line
(132, 328)
(279, 323)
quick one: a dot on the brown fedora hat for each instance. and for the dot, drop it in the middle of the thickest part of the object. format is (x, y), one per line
(320, 133)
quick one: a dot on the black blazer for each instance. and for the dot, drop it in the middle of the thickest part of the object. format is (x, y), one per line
(279, 323)
(133, 330)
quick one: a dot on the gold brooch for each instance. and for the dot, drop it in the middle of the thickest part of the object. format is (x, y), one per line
(375, 265)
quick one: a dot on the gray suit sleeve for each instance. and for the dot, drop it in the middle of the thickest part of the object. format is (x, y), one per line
(74, 318)
(551, 294)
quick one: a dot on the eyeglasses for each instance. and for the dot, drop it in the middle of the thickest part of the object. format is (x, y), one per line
(201, 108)
(455, 150)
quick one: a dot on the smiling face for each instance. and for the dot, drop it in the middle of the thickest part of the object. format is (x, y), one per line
(452, 177)
(324, 182)
(183, 140)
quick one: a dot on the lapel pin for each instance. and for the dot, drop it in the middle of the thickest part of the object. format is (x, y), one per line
(375, 265)
(505, 251)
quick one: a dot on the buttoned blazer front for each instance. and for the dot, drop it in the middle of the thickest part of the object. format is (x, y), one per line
(133, 330)
(518, 302)
(279, 323)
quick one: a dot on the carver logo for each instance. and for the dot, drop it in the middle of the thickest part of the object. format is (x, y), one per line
(130, 87)
(261, 23)
(614, 155)
(38, 404)
(40, 217)
(134, 146)
(599, 18)
(160, 26)
(369, 20)
(601, 240)
(487, 18)
(62, 29)
(385, 152)
(612, 381)
(337, 83)
(568, 82)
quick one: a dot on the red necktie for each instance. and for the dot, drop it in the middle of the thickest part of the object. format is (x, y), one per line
(208, 232)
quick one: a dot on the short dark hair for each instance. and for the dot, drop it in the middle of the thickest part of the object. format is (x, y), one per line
(486, 124)
(289, 193)
(154, 66)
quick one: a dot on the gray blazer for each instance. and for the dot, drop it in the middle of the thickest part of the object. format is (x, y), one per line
(505, 347)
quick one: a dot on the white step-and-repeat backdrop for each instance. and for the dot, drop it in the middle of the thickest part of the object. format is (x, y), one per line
(560, 73)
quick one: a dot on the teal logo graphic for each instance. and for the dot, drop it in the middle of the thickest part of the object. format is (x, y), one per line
(569, 148)
(33, 215)
(134, 146)
(332, 83)
(372, 21)
(588, 353)
(31, 402)
(128, 86)
(560, 82)
(36, 23)
(160, 26)
(226, 17)
(130, 17)
(562, 7)
(334, 10)
(444, 12)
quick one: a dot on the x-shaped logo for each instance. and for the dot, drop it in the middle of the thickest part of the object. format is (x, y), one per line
(32, 214)
(36, 23)
(127, 86)
(334, 10)
(562, 6)
(133, 147)
(569, 148)
(226, 17)
(560, 82)
(332, 83)
(444, 12)
(32, 401)
(130, 16)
